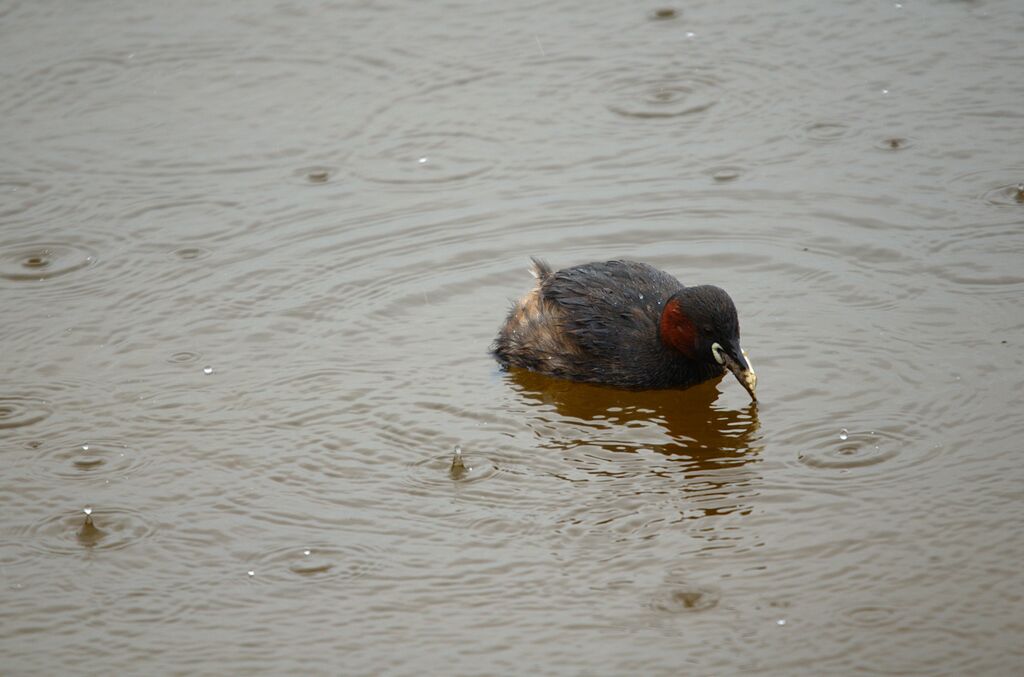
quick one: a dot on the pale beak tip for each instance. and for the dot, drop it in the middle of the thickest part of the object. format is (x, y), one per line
(748, 378)
(750, 383)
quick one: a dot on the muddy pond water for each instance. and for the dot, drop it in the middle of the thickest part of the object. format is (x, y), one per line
(252, 256)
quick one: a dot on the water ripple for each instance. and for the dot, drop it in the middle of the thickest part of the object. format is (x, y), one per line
(20, 195)
(316, 175)
(854, 450)
(443, 470)
(43, 261)
(826, 132)
(699, 89)
(669, 97)
(880, 448)
(184, 357)
(870, 615)
(72, 533)
(663, 14)
(994, 187)
(428, 158)
(1008, 195)
(18, 412)
(192, 253)
(188, 219)
(89, 460)
(56, 85)
(895, 143)
(316, 562)
(688, 598)
(62, 268)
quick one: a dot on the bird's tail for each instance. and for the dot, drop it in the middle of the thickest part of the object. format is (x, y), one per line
(540, 269)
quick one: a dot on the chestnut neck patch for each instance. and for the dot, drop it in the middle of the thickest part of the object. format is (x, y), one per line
(677, 329)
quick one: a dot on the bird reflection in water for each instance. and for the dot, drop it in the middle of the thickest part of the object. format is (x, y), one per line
(709, 451)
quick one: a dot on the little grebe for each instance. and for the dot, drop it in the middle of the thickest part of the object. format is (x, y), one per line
(623, 324)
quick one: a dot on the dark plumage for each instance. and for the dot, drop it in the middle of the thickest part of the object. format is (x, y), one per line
(623, 324)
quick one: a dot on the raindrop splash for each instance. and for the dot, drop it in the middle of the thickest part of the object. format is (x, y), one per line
(43, 261)
(853, 450)
(66, 533)
(89, 535)
(458, 468)
(40, 260)
(688, 598)
(664, 14)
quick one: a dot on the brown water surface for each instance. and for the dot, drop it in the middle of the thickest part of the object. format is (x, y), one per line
(252, 256)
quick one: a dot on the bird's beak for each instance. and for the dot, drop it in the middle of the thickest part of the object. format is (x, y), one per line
(741, 369)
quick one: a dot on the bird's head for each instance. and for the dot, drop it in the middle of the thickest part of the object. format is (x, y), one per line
(701, 323)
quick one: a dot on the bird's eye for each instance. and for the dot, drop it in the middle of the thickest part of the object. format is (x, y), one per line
(718, 352)
(707, 329)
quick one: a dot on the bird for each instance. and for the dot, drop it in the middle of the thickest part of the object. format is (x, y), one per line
(623, 324)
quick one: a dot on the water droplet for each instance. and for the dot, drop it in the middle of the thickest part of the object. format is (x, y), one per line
(885, 91)
(87, 511)
(306, 552)
(85, 447)
(690, 34)
(781, 621)
(423, 160)
(641, 297)
(251, 572)
(207, 370)
(844, 434)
